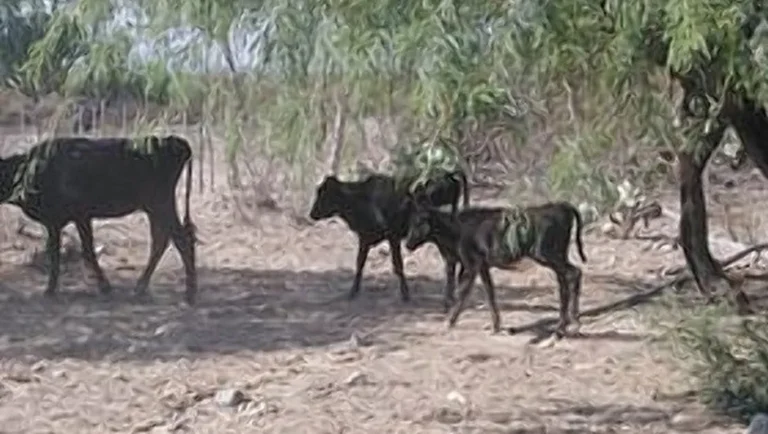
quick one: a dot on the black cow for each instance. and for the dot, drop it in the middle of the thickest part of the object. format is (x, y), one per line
(474, 239)
(444, 190)
(74, 179)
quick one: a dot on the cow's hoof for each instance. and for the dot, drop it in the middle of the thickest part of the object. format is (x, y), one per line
(50, 294)
(105, 289)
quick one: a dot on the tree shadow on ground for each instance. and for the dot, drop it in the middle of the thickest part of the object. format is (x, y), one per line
(238, 309)
(638, 293)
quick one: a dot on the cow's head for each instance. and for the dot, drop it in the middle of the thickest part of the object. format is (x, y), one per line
(328, 199)
(419, 225)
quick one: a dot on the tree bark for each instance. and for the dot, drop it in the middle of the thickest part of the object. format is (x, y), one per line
(694, 229)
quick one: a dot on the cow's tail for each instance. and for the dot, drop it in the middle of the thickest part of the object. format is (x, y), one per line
(579, 225)
(189, 227)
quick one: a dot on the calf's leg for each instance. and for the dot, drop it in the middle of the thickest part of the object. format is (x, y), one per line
(450, 285)
(467, 277)
(85, 231)
(574, 280)
(565, 276)
(363, 247)
(490, 293)
(53, 254)
(397, 265)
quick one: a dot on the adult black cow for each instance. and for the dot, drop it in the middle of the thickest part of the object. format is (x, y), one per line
(75, 179)
(377, 209)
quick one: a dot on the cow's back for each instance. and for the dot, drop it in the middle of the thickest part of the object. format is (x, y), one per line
(104, 176)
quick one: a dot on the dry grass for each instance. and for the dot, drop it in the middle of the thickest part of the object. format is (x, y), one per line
(272, 323)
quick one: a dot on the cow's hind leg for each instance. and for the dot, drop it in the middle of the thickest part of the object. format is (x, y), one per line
(53, 256)
(184, 240)
(160, 233)
(85, 231)
(397, 265)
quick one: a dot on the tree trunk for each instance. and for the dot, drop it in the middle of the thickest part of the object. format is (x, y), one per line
(694, 231)
(337, 135)
(694, 228)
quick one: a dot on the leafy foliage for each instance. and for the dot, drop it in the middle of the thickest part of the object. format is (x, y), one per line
(517, 232)
(726, 356)
(420, 162)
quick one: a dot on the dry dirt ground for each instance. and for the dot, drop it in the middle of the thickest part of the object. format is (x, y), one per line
(272, 323)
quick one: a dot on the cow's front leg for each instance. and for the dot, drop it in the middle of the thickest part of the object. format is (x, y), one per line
(85, 231)
(363, 246)
(53, 256)
(397, 265)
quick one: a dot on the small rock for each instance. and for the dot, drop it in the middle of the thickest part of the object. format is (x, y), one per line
(356, 379)
(608, 228)
(229, 397)
(665, 248)
(759, 424)
(163, 329)
(456, 397)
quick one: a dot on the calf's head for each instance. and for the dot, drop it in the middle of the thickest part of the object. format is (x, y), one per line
(328, 199)
(419, 227)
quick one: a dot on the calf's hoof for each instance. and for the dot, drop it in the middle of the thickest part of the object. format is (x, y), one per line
(405, 297)
(50, 293)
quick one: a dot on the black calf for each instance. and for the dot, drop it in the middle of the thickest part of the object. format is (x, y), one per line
(375, 210)
(444, 190)
(475, 239)
(73, 179)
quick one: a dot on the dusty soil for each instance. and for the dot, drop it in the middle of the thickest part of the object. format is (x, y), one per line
(272, 323)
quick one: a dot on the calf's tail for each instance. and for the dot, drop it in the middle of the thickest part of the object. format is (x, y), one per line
(579, 225)
(465, 187)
